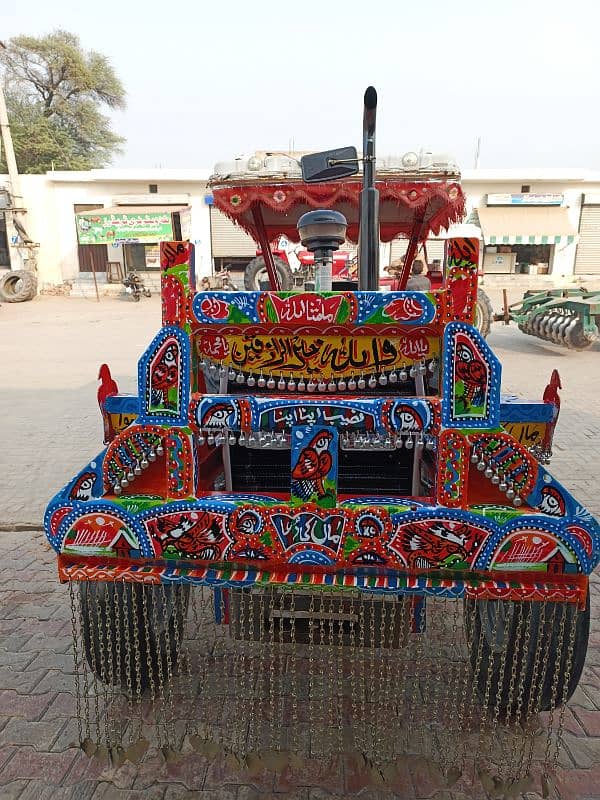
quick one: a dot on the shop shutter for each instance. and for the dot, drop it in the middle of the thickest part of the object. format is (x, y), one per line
(587, 261)
(434, 247)
(229, 240)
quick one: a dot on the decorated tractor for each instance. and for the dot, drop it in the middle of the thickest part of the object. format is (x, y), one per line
(319, 530)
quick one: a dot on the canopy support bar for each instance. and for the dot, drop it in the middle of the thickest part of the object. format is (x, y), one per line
(411, 252)
(265, 247)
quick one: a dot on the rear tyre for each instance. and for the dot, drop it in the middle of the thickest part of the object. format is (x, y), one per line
(113, 616)
(484, 618)
(483, 313)
(17, 286)
(256, 275)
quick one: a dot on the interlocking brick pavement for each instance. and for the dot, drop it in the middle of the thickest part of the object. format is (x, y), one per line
(49, 427)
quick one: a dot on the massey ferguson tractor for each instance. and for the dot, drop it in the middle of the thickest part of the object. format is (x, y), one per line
(319, 533)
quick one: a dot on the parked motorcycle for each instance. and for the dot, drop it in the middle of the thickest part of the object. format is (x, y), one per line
(134, 286)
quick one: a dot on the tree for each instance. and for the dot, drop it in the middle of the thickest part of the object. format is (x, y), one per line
(54, 92)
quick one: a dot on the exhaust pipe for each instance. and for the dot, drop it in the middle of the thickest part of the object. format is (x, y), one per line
(368, 246)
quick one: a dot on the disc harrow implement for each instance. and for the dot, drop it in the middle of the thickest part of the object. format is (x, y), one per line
(569, 317)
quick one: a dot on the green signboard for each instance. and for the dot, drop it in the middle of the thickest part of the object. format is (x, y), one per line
(99, 228)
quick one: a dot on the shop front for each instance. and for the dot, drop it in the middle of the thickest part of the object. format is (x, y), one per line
(132, 233)
(523, 233)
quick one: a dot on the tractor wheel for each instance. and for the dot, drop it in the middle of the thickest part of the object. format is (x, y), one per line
(494, 643)
(256, 276)
(483, 313)
(117, 615)
(18, 285)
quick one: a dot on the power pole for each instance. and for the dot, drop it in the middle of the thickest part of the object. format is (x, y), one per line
(477, 152)
(17, 210)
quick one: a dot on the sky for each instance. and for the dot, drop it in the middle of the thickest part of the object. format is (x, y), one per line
(209, 80)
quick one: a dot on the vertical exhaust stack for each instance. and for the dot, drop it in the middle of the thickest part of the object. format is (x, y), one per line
(368, 253)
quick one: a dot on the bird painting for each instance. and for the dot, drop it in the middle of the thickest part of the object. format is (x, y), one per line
(312, 466)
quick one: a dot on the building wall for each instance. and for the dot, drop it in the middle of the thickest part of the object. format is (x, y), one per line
(50, 200)
(477, 186)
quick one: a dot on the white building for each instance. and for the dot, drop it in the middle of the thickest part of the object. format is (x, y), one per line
(534, 221)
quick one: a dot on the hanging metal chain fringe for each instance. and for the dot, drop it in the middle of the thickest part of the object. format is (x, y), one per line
(274, 678)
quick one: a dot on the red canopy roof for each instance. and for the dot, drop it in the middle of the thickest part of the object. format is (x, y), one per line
(437, 203)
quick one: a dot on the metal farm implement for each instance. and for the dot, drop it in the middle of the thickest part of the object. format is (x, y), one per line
(318, 530)
(570, 317)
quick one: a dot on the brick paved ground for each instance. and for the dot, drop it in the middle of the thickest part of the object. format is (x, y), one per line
(52, 348)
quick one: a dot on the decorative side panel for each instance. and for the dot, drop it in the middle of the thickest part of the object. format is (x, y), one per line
(164, 378)
(177, 278)
(471, 380)
(453, 470)
(461, 280)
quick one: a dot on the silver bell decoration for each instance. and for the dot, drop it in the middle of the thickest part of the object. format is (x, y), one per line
(352, 384)
(239, 378)
(137, 470)
(383, 379)
(251, 381)
(393, 377)
(159, 450)
(403, 376)
(291, 385)
(331, 386)
(372, 382)
(301, 385)
(271, 382)
(342, 385)
(361, 383)
(261, 382)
